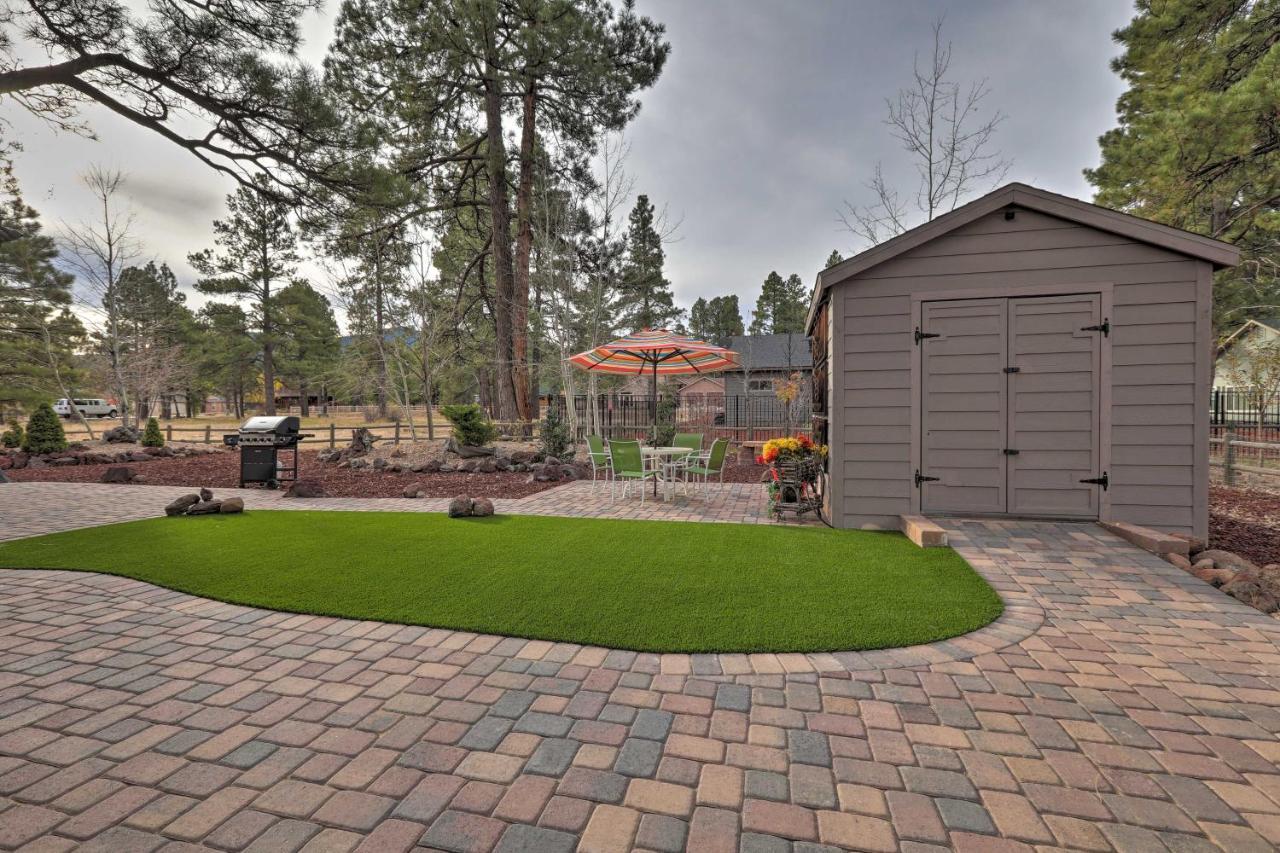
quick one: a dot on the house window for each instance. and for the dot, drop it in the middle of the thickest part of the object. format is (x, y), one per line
(758, 385)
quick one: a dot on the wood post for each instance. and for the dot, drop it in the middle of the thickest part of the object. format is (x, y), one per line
(1229, 458)
(168, 433)
(208, 438)
(397, 438)
(333, 444)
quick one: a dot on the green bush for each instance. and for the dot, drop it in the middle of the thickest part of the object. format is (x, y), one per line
(44, 432)
(667, 403)
(151, 436)
(12, 437)
(471, 427)
(553, 435)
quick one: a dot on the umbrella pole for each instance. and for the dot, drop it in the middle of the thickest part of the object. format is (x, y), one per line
(655, 419)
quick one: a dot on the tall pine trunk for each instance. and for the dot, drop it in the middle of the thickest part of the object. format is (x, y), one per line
(524, 250)
(500, 227)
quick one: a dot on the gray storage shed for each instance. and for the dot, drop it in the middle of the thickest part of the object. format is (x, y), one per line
(1027, 355)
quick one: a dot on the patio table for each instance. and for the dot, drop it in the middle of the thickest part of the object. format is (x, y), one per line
(669, 461)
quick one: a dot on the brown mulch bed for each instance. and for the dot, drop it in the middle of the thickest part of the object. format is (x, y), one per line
(1246, 521)
(222, 470)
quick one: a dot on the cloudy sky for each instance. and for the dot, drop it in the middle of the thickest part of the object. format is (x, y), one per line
(768, 117)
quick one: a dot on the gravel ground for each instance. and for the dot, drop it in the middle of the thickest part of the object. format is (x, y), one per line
(1246, 521)
(222, 470)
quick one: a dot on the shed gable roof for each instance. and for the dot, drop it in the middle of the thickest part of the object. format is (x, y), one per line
(1216, 252)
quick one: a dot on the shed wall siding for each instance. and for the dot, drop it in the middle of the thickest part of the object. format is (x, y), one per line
(1157, 299)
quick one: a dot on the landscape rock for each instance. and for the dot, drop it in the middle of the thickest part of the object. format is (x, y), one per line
(412, 491)
(305, 489)
(1248, 589)
(64, 461)
(230, 505)
(36, 462)
(1217, 577)
(1195, 543)
(1202, 563)
(486, 466)
(467, 451)
(118, 474)
(357, 463)
(4, 478)
(1228, 560)
(206, 495)
(1178, 560)
(481, 507)
(121, 435)
(379, 464)
(139, 480)
(178, 506)
(501, 463)
(139, 456)
(460, 507)
(204, 508)
(521, 457)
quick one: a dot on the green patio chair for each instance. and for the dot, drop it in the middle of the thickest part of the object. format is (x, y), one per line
(693, 441)
(600, 461)
(627, 461)
(710, 464)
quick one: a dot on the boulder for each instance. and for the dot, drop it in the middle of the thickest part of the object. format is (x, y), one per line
(486, 466)
(118, 474)
(64, 461)
(206, 495)
(1178, 560)
(379, 464)
(178, 506)
(481, 507)
(467, 451)
(18, 459)
(139, 456)
(1217, 577)
(412, 491)
(1247, 588)
(1227, 560)
(36, 462)
(204, 508)
(230, 505)
(357, 463)
(460, 507)
(501, 463)
(139, 480)
(121, 435)
(4, 478)
(521, 457)
(1201, 563)
(305, 489)
(446, 468)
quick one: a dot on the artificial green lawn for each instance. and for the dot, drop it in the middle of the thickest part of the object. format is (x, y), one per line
(642, 585)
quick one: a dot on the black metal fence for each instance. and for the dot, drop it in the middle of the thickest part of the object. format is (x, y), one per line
(1239, 407)
(739, 417)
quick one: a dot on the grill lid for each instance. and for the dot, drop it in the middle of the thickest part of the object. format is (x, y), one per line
(282, 425)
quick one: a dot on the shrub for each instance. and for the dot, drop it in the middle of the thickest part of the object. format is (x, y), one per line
(44, 432)
(12, 437)
(667, 403)
(471, 427)
(553, 435)
(151, 436)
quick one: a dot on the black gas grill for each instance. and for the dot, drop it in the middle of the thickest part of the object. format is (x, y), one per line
(260, 441)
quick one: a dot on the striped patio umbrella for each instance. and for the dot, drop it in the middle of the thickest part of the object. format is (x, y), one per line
(657, 352)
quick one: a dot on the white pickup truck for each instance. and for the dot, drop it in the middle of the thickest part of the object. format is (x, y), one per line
(90, 407)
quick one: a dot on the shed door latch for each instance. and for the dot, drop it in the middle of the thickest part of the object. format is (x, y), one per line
(1104, 327)
(920, 336)
(921, 478)
(1103, 481)
(1009, 451)
(1013, 370)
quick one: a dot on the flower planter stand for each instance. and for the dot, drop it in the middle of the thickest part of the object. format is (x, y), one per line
(795, 486)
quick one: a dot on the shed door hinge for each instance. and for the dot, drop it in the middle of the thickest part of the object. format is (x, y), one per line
(1104, 327)
(920, 336)
(1103, 481)
(921, 478)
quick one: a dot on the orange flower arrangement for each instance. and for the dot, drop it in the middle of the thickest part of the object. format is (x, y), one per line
(798, 446)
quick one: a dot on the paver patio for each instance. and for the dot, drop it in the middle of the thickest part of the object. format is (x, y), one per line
(1141, 710)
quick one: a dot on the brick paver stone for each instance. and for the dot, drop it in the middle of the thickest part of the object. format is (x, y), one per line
(1118, 704)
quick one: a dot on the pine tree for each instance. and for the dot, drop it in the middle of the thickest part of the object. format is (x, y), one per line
(44, 432)
(258, 252)
(699, 320)
(832, 259)
(646, 294)
(309, 339)
(781, 306)
(151, 436)
(1196, 144)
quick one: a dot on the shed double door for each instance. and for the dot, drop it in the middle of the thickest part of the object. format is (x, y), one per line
(1010, 406)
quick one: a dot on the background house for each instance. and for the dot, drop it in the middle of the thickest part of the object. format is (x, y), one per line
(750, 396)
(1242, 344)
